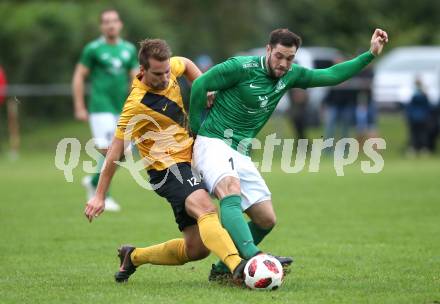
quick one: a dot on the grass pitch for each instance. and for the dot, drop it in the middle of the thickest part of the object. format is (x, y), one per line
(356, 239)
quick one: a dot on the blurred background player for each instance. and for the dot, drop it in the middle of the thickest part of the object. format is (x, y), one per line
(155, 118)
(110, 63)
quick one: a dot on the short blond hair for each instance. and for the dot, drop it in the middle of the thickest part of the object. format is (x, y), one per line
(153, 48)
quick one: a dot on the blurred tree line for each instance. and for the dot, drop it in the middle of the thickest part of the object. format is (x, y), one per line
(40, 41)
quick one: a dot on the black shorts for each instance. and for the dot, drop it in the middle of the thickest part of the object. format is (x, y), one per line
(176, 189)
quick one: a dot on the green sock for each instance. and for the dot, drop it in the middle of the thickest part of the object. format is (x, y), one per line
(258, 235)
(233, 221)
(95, 177)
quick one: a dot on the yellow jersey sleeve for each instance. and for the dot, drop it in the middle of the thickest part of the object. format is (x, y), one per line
(177, 66)
(131, 121)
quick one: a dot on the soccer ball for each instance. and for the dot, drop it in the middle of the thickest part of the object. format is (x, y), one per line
(263, 272)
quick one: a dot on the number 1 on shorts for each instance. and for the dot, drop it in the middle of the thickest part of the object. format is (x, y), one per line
(231, 160)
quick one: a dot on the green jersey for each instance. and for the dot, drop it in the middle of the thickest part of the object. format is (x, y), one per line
(109, 66)
(247, 94)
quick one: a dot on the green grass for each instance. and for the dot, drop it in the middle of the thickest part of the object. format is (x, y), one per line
(356, 239)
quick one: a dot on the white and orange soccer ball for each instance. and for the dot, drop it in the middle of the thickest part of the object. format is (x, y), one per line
(263, 272)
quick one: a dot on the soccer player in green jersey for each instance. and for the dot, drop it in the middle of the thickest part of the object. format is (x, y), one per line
(248, 90)
(110, 63)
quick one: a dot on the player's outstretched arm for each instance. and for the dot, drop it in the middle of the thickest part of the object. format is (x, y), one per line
(341, 72)
(95, 206)
(219, 77)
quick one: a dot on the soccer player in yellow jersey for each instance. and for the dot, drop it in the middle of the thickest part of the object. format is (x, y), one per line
(155, 106)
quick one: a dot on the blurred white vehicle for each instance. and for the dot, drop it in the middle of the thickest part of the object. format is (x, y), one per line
(395, 75)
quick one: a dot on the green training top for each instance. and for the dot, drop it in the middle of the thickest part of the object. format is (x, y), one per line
(109, 66)
(247, 95)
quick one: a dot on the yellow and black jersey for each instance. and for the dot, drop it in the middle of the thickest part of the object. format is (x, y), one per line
(156, 121)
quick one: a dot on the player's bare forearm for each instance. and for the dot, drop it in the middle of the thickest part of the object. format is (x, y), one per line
(96, 205)
(114, 154)
(191, 70)
(78, 91)
(78, 81)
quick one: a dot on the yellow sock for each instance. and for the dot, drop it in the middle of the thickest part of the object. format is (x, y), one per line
(217, 239)
(169, 253)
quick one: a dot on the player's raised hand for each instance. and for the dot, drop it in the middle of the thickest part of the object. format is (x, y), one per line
(95, 206)
(378, 40)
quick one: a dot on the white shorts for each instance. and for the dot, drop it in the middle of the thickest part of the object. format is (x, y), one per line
(103, 126)
(214, 160)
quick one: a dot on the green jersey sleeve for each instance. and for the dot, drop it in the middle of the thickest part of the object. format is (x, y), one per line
(309, 78)
(219, 77)
(86, 58)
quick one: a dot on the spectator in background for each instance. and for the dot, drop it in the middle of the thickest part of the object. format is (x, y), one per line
(419, 113)
(297, 112)
(434, 128)
(339, 108)
(3, 84)
(12, 118)
(110, 63)
(366, 112)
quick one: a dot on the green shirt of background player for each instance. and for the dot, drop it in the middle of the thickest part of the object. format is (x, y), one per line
(109, 63)
(248, 90)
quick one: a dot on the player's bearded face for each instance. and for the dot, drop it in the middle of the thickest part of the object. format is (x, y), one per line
(157, 76)
(279, 59)
(111, 25)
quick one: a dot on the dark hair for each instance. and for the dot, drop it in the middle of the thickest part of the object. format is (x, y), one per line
(153, 48)
(107, 10)
(284, 37)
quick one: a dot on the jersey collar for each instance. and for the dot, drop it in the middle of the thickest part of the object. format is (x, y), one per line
(137, 83)
(263, 64)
